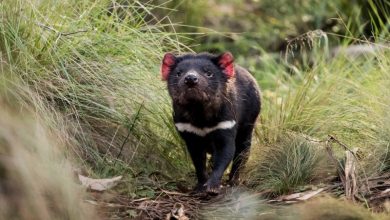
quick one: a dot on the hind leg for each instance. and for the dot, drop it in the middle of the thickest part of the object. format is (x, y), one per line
(241, 155)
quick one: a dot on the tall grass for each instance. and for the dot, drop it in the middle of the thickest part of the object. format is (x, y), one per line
(343, 96)
(289, 163)
(36, 179)
(95, 63)
(82, 76)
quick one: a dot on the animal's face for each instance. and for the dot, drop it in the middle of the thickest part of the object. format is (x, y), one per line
(198, 78)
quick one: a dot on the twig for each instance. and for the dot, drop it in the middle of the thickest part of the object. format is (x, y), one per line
(174, 193)
(47, 27)
(59, 33)
(383, 195)
(130, 130)
(385, 176)
(71, 33)
(309, 138)
(332, 138)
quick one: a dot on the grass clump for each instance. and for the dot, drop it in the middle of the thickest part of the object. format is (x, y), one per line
(340, 97)
(343, 97)
(290, 162)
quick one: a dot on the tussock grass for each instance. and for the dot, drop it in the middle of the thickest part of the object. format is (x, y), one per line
(88, 73)
(36, 179)
(96, 63)
(79, 82)
(290, 162)
(343, 96)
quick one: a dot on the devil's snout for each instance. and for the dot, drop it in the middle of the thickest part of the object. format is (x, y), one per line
(191, 80)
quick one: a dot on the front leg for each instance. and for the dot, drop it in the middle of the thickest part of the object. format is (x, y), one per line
(197, 152)
(222, 156)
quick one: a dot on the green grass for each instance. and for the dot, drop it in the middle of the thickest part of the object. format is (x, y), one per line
(341, 96)
(37, 180)
(85, 75)
(290, 162)
(99, 72)
(249, 27)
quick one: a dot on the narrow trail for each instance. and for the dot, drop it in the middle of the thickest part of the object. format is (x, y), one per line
(239, 202)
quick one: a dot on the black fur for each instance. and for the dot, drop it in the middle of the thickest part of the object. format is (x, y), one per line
(213, 99)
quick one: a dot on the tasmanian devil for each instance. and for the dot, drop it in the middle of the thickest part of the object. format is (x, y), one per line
(215, 106)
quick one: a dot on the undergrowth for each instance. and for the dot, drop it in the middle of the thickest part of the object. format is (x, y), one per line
(83, 76)
(290, 162)
(346, 97)
(95, 63)
(36, 179)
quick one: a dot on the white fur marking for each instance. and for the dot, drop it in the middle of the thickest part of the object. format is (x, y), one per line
(204, 131)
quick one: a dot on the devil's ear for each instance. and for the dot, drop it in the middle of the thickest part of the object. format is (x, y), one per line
(168, 62)
(226, 63)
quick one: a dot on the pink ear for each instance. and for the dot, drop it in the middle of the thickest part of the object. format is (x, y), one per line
(226, 62)
(168, 61)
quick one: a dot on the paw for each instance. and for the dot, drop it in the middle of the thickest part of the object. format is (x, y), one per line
(199, 188)
(212, 187)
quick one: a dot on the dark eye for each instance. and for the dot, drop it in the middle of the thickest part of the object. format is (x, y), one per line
(178, 73)
(209, 74)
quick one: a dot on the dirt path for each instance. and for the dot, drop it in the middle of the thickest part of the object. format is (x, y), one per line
(235, 202)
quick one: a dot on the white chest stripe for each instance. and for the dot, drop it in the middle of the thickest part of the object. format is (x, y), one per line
(204, 131)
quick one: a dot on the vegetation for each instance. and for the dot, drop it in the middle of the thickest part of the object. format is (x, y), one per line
(289, 163)
(98, 71)
(80, 90)
(335, 98)
(36, 179)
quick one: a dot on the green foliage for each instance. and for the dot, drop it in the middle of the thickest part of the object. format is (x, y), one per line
(247, 27)
(89, 70)
(98, 68)
(290, 162)
(36, 180)
(344, 97)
